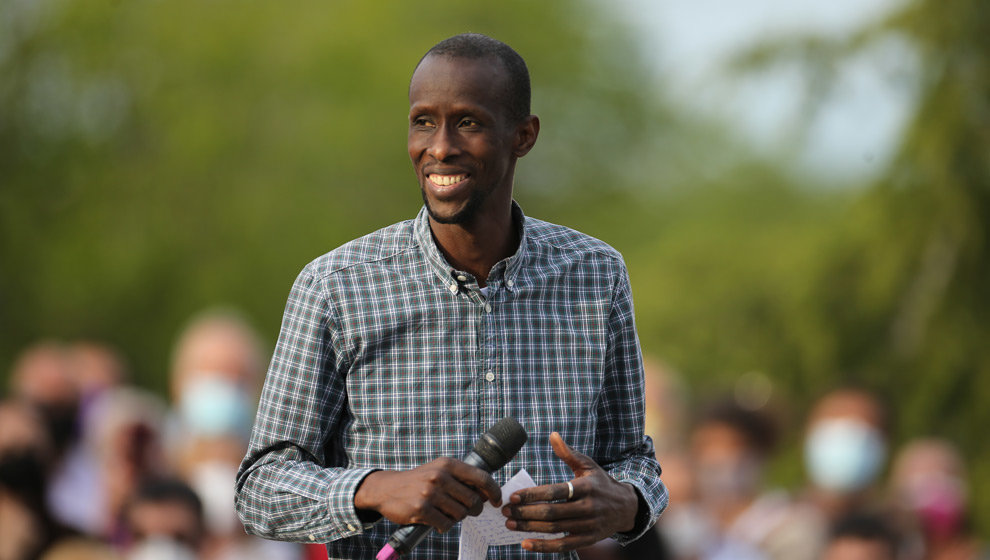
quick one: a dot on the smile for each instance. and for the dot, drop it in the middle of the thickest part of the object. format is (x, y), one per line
(446, 180)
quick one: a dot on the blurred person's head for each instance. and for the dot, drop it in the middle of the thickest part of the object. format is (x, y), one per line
(96, 367)
(729, 448)
(861, 537)
(42, 376)
(928, 480)
(845, 446)
(164, 510)
(216, 370)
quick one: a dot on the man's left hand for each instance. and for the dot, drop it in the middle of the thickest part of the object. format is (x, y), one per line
(599, 508)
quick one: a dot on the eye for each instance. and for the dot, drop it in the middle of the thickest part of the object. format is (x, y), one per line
(421, 122)
(469, 123)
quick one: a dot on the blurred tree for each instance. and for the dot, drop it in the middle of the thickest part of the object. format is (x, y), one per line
(156, 158)
(902, 300)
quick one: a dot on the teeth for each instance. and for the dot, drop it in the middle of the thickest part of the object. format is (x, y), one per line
(447, 180)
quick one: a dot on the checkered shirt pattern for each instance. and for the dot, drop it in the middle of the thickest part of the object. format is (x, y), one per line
(389, 358)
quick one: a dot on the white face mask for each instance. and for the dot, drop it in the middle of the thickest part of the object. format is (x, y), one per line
(213, 482)
(212, 406)
(844, 455)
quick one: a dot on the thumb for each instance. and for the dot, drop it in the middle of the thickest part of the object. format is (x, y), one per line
(578, 462)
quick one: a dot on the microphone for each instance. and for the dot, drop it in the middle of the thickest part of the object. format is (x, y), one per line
(490, 453)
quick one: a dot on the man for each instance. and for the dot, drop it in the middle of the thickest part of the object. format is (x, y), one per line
(399, 349)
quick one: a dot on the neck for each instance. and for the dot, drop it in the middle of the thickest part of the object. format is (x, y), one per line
(476, 247)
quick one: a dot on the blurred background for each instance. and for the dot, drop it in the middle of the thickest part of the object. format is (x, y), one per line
(801, 193)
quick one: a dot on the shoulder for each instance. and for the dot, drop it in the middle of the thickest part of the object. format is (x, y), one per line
(376, 247)
(557, 241)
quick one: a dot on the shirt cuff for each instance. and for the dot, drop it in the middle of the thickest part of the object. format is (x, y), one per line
(643, 518)
(341, 503)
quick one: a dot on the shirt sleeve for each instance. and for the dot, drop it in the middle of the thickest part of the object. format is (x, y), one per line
(292, 485)
(622, 447)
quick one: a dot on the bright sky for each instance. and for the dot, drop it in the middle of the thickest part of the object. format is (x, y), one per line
(859, 125)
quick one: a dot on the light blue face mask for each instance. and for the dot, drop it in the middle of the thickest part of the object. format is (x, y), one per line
(212, 406)
(844, 455)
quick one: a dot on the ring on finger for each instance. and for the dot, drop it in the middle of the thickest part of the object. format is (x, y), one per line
(570, 490)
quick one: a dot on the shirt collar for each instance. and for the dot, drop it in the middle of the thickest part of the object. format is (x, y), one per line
(507, 269)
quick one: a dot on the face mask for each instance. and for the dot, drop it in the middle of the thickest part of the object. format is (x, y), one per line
(213, 482)
(844, 455)
(940, 505)
(212, 406)
(22, 473)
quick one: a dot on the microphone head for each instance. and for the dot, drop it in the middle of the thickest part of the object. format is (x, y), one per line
(501, 442)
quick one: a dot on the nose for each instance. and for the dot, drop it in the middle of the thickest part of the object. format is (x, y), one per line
(443, 144)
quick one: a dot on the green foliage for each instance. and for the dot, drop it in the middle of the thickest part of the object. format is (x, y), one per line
(160, 157)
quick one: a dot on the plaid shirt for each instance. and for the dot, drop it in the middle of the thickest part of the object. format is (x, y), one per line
(389, 358)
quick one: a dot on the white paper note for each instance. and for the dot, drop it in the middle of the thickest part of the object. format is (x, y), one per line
(488, 529)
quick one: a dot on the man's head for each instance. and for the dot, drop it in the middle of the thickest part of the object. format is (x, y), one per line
(468, 123)
(475, 46)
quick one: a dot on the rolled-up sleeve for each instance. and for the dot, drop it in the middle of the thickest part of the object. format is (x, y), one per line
(287, 488)
(622, 447)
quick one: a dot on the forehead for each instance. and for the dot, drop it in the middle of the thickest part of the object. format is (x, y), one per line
(448, 80)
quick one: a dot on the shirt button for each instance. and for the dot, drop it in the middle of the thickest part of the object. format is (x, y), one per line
(488, 307)
(462, 278)
(351, 527)
(490, 376)
(312, 537)
(508, 283)
(453, 288)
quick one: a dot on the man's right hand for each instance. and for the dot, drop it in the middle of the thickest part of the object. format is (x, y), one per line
(439, 493)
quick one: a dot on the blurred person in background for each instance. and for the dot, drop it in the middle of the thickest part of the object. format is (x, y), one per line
(94, 368)
(729, 448)
(929, 489)
(42, 377)
(845, 451)
(127, 440)
(861, 537)
(45, 377)
(163, 520)
(215, 376)
(26, 457)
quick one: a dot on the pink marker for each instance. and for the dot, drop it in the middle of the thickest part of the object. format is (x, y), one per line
(387, 553)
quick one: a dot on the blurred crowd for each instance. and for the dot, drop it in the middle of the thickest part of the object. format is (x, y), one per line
(93, 467)
(862, 499)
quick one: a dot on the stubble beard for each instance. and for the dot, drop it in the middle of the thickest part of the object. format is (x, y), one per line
(463, 217)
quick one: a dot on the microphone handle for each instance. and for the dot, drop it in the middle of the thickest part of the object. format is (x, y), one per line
(408, 537)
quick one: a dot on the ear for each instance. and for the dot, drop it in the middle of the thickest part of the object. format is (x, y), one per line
(526, 133)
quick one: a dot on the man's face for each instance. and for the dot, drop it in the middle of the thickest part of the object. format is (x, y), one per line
(462, 144)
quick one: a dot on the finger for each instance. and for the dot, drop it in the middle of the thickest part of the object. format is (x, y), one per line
(578, 462)
(582, 526)
(450, 509)
(545, 493)
(570, 542)
(546, 511)
(479, 480)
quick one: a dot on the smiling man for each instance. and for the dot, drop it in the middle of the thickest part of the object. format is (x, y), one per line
(399, 349)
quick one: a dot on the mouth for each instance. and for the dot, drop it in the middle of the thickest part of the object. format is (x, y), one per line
(446, 181)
